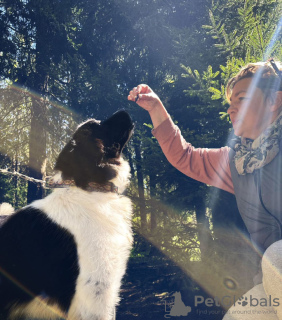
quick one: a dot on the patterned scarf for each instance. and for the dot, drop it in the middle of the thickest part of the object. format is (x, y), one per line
(254, 154)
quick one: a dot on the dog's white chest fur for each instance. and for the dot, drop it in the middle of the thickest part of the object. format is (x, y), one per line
(101, 225)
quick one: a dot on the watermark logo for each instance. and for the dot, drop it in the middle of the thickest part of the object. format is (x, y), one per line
(243, 301)
(262, 302)
(229, 301)
(211, 306)
(176, 308)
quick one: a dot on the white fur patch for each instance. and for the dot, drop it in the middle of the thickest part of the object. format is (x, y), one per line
(122, 178)
(101, 225)
(57, 177)
(6, 209)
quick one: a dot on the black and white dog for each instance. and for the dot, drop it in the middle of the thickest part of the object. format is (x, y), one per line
(64, 256)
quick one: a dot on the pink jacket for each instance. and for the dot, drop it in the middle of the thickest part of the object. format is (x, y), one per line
(210, 166)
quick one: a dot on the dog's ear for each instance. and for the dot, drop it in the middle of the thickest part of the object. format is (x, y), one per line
(81, 135)
(65, 162)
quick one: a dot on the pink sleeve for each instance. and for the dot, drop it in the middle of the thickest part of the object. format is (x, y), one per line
(210, 166)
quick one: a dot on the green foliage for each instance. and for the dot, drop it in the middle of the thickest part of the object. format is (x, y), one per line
(243, 29)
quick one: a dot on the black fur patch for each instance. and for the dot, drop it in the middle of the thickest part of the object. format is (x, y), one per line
(92, 153)
(36, 256)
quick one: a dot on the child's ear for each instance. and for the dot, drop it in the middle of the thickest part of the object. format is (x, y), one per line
(277, 104)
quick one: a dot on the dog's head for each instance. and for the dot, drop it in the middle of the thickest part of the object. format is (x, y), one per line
(94, 152)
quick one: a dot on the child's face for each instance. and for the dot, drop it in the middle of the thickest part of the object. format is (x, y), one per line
(248, 112)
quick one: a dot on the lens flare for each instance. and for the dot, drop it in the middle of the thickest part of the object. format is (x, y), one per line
(36, 299)
(273, 41)
(34, 95)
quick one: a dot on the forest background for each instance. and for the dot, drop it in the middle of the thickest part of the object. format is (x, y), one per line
(63, 61)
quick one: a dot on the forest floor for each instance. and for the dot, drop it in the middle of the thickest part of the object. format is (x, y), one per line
(147, 293)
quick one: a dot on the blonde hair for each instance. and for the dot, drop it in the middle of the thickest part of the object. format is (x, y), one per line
(269, 79)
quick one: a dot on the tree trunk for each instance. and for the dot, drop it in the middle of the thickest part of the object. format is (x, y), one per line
(140, 180)
(39, 83)
(153, 203)
(37, 149)
(16, 183)
(203, 230)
